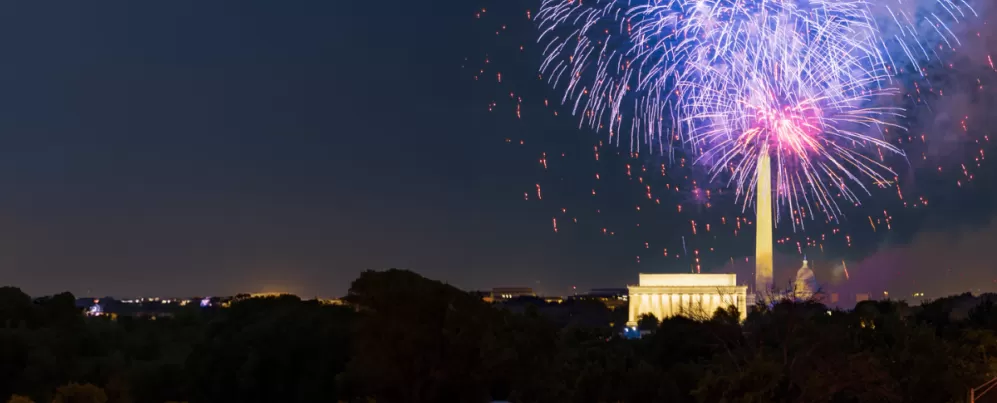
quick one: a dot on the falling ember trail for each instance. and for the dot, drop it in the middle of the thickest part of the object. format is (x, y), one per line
(735, 83)
(781, 98)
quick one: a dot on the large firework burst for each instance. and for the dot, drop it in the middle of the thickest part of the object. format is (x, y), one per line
(808, 84)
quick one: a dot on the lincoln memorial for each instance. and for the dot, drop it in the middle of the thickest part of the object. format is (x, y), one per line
(691, 295)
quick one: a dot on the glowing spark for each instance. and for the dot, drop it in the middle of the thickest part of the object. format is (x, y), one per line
(730, 80)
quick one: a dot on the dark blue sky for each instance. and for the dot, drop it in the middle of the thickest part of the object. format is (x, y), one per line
(212, 147)
(191, 147)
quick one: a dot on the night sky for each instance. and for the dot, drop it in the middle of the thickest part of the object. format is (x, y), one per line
(208, 148)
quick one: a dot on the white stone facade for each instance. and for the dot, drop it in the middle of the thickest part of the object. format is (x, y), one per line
(692, 295)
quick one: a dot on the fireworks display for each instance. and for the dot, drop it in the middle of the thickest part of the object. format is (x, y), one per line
(678, 99)
(809, 83)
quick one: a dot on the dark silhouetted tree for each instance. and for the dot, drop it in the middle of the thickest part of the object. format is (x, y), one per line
(418, 340)
(271, 349)
(647, 322)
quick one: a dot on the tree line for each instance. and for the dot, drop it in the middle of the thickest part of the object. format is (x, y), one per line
(405, 338)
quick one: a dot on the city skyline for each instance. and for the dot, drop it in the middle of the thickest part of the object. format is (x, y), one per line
(290, 147)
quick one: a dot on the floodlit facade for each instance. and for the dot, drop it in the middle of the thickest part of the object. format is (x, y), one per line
(503, 293)
(690, 295)
(763, 226)
(805, 286)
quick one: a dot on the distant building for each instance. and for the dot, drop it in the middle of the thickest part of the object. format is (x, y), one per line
(140, 307)
(95, 309)
(504, 293)
(611, 297)
(691, 295)
(330, 301)
(268, 294)
(805, 286)
(609, 292)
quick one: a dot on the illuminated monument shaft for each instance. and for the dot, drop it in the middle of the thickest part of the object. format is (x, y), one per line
(763, 225)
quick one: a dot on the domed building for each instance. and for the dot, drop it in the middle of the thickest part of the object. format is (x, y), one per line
(806, 284)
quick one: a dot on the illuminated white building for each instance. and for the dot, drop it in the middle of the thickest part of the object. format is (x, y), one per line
(806, 284)
(691, 295)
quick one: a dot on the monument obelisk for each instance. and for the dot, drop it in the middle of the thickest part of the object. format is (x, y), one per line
(763, 226)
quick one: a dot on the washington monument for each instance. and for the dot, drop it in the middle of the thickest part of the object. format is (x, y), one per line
(763, 225)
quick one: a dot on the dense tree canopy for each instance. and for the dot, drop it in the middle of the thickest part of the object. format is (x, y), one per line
(405, 338)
